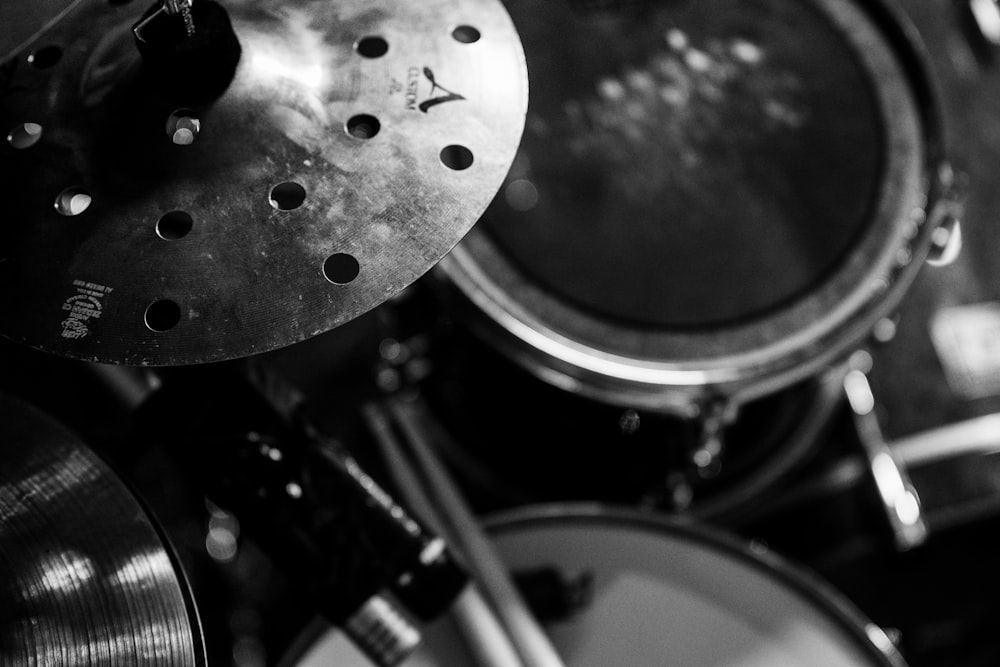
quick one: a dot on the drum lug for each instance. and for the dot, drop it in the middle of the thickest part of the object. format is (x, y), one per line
(945, 217)
(946, 242)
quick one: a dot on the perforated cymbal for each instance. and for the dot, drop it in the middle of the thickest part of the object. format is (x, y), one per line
(357, 143)
(87, 579)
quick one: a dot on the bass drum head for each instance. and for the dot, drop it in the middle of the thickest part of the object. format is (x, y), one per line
(713, 193)
(661, 593)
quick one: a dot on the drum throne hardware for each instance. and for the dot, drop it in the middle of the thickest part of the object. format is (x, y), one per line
(716, 209)
(89, 578)
(201, 181)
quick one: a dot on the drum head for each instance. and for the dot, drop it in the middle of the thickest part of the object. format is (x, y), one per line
(662, 594)
(705, 193)
(709, 163)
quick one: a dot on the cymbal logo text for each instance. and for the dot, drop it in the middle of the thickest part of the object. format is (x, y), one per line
(413, 77)
(83, 306)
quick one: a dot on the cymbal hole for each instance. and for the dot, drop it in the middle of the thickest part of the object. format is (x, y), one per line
(456, 157)
(45, 57)
(466, 34)
(174, 225)
(73, 201)
(341, 268)
(25, 135)
(287, 196)
(363, 126)
(162, 315)
(372, 47)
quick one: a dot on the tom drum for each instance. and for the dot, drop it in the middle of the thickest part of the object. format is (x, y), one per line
(711, 199)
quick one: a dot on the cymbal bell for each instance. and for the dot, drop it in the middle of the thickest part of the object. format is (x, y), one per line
(87, 579)
(356, 143)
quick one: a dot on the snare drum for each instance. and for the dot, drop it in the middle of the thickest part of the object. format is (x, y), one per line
(711, 199)
(661, 594)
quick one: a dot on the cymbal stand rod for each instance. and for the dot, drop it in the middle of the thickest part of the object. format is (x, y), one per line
(530, 640)
(484, 635)
(898, 495)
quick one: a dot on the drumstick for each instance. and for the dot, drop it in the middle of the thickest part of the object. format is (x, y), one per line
(530, 641)
(483, 633)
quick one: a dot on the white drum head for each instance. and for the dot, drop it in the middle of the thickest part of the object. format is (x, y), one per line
(663, 595)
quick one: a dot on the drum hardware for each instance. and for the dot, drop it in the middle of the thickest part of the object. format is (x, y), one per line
(189, 67)
(946, 242)
(905, 472)
(205, 197)
(513, 439)
(899, 497)
(368, 566)
(980, 435)
(926, 482)
(89, 578)
(981, 20)
(438, 497)
(834, 520)
(178, 8)
(954, 467)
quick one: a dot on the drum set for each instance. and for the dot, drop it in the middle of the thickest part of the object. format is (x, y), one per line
(494, 332)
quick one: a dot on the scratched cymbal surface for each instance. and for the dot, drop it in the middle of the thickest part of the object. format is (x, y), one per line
(354, 147)
(87, 580)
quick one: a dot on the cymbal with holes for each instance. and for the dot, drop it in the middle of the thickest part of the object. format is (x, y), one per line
(356, 144)
(87, 578)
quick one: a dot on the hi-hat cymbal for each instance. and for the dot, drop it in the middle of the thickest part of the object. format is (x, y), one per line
(356, 144)
(87, 579)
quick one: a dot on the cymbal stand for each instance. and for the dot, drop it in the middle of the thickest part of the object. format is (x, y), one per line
(896, 491)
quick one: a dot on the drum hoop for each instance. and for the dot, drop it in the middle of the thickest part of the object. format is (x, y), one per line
(795, 578)
(670, 369)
